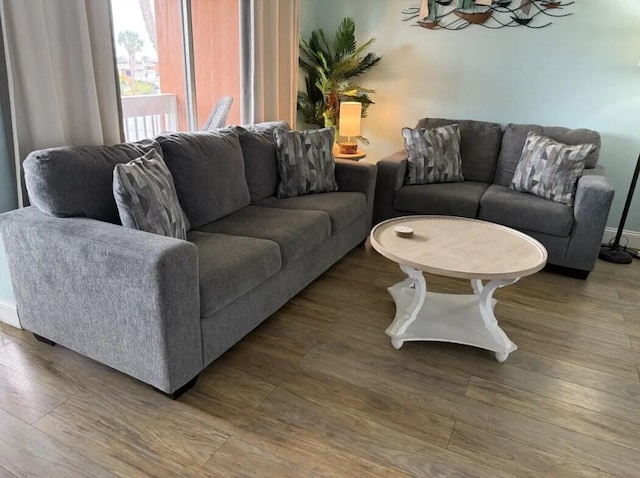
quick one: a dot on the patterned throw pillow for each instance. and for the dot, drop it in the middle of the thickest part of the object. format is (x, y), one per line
(550, 169)
(305, 162)
(146, 197)
(433, 154)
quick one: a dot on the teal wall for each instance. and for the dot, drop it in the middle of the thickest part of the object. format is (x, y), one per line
(8, 201)
(582, 71)
(6, 289)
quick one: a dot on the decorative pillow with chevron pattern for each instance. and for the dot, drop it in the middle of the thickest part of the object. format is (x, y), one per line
(146, 197)
(305, 162)
(433, 155)
(550, 169)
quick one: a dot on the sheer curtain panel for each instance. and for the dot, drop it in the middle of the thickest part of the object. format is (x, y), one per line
(269, 33)
(62, 78)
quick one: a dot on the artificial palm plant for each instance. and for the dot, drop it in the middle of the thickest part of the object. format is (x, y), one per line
(330, 69)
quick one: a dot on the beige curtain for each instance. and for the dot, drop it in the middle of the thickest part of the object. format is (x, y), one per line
(269, 50)
(62, 79)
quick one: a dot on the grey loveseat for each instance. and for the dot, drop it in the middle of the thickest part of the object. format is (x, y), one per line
(571, 234)
(157, 308)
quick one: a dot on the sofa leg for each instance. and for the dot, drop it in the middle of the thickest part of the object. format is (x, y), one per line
(44, 340)
(178, 393)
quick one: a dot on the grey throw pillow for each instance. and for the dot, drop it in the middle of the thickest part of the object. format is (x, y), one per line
(433, 155)
(146, 197)
(550, 169)
(305, 162)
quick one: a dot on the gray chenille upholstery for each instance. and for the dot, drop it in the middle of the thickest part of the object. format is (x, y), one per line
(208, 171)
(126, 298)
(259, 152)
(490, 154)
(87, 170)
(333, 203)
(514, 209)
(158, 308)
(230, 266)
(447, 199)
(296, 232)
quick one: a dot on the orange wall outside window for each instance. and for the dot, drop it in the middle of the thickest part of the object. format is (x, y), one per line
(216, 51)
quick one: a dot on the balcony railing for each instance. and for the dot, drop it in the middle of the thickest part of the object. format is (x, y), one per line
(146, 116)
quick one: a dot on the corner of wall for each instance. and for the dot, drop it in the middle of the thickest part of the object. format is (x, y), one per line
(7, 298)
(9, 314)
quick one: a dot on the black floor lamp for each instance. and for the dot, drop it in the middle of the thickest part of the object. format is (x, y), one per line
(612, 252)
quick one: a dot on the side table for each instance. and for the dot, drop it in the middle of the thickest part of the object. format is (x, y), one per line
(353, 157)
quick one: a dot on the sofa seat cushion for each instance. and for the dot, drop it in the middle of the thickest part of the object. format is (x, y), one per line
(449, 199)
(295, 232)
(342, 207)
(231, 266)
(525, 211)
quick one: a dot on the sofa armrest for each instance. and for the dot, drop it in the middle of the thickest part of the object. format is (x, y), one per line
(126, 298)
(593, 199)
(354, 176)
(391, 174)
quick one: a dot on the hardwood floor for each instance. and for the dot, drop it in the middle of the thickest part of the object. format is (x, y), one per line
(317, 390)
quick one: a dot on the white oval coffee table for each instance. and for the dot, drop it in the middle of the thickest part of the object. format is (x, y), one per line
(462, 248)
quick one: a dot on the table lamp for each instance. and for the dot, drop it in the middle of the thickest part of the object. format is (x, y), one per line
(350, 115)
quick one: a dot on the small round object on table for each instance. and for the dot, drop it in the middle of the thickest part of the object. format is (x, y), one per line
(403, 231)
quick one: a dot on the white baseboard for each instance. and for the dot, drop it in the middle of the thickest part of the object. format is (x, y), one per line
(632, 236)
(8, 314)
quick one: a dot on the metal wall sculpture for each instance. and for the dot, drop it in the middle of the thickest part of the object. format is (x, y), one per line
(494, 14)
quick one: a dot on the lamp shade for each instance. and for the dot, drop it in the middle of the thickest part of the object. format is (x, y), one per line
(350, 114)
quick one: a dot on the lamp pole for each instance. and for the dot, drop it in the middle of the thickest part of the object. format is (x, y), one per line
(612, 252)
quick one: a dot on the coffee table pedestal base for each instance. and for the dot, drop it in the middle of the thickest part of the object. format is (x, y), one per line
(458, 318)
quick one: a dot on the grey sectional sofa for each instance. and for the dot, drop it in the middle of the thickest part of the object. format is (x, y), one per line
(571, 234)
(157, 308)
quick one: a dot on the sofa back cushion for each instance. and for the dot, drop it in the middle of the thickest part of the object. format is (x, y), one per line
(260, 157)
(208, 172)
(479, 146)
(77, 180)
(515, 135)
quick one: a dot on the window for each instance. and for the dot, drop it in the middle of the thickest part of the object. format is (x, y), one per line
(150, 36)
(216, 49)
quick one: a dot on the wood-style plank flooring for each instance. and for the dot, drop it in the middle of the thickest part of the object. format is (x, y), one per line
(317, 390)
